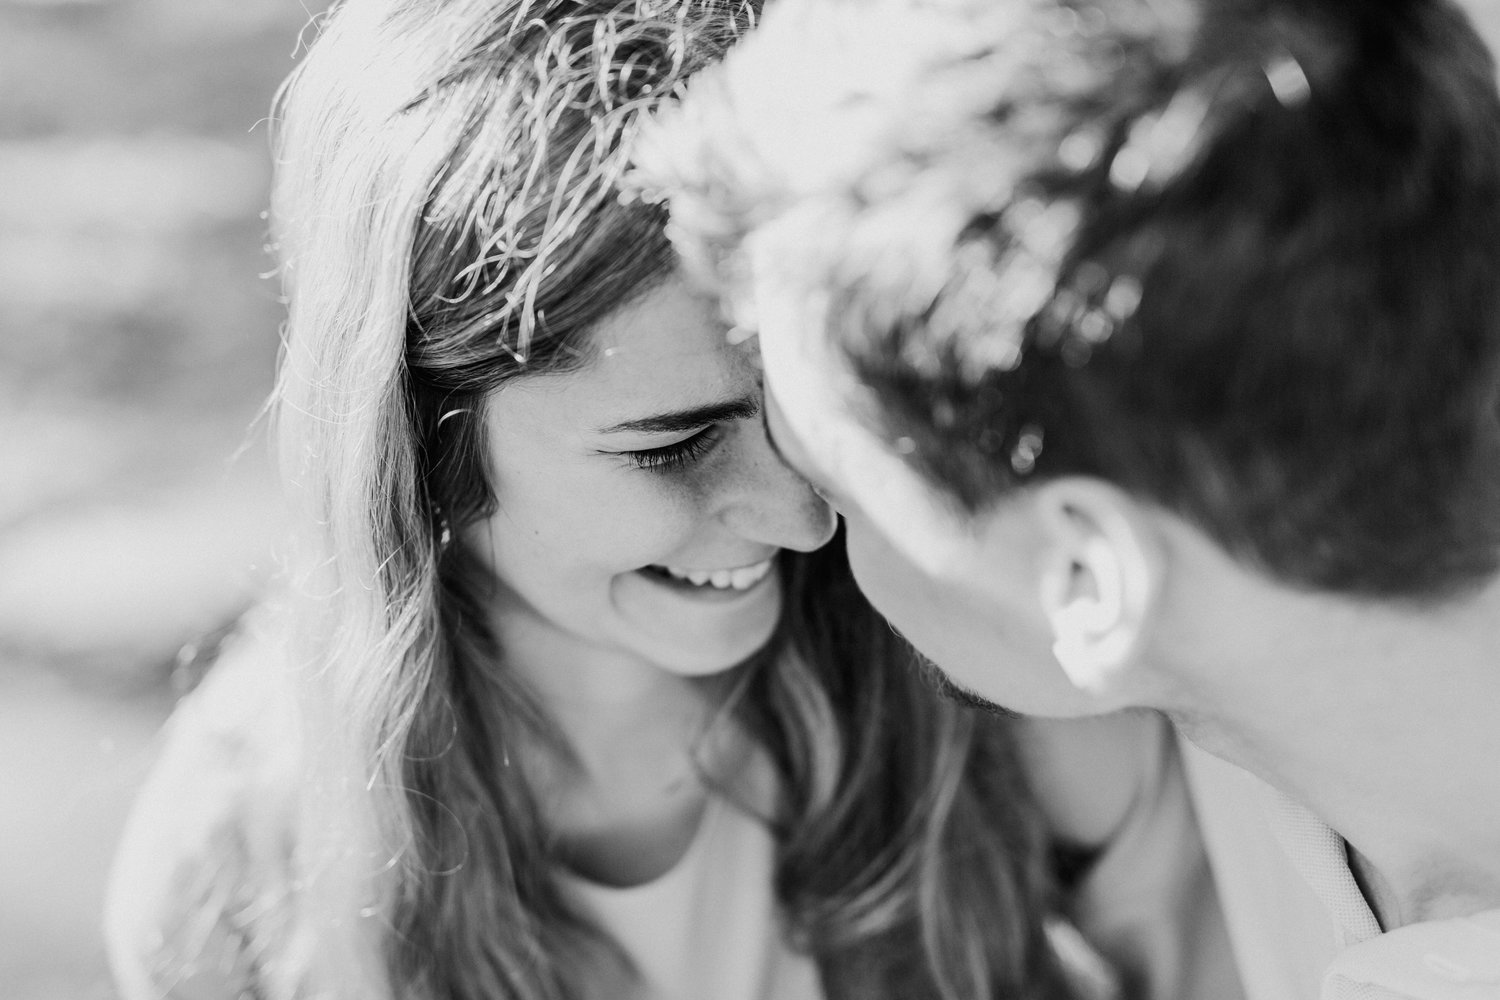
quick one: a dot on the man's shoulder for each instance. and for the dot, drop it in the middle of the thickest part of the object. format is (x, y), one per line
(1453, 959)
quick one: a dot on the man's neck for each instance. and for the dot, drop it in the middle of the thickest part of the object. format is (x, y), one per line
(1383, 722)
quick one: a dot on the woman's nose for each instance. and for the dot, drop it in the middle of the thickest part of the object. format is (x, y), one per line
(770, 503)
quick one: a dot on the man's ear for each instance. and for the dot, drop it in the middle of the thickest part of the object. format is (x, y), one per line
(1098, 567)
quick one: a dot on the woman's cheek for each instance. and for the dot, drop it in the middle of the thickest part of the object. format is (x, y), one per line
(646, 522)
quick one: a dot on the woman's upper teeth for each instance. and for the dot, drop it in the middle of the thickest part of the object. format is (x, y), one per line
(741, 578)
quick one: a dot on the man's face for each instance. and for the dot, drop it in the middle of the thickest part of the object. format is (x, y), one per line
(915, 556)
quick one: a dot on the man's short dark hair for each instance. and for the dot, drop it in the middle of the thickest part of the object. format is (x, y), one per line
(1289, 336)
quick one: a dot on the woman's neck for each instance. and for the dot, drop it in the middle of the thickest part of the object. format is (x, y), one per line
(625, 804)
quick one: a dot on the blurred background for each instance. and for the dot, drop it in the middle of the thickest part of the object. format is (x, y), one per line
(138, 334)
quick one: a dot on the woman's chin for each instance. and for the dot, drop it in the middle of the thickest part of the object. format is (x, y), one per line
(704, 635)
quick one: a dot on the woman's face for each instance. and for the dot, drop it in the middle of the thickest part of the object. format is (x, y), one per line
(640, 508)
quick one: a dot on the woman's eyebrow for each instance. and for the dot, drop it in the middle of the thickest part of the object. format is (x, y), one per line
(685, 420)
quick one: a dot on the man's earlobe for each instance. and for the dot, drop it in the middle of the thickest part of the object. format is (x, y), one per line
(1097, 581)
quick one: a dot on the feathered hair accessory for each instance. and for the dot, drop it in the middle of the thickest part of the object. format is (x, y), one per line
(528, 183)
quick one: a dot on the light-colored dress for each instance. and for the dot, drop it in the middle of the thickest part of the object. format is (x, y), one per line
(709, 926)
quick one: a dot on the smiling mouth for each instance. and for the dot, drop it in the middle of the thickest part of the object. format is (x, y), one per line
(739, 578)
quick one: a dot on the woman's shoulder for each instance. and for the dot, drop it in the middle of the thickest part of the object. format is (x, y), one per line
(205, 858)
(1089, 775)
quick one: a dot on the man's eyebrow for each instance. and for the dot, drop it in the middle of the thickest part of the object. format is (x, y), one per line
(689, 419)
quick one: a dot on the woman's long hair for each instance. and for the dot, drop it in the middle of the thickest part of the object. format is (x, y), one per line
(447, 217)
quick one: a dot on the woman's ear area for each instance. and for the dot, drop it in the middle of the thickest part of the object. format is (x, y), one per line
(1096, 561)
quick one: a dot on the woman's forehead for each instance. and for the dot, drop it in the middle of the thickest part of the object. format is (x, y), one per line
(666, 350)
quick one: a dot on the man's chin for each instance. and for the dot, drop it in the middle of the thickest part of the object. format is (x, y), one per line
(935, 678)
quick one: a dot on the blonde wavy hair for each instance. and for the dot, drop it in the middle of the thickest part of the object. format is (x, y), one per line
(447, 216)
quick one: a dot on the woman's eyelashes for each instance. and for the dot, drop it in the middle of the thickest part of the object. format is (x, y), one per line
(679, 454)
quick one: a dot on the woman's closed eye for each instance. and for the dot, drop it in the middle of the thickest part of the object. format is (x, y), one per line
(705, 425)
(678, 455)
